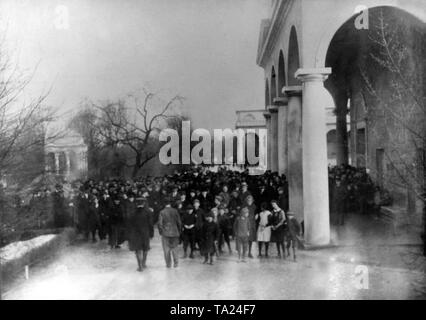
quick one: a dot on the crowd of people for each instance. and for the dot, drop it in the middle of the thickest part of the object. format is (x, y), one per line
(200, 209)
(352, 190)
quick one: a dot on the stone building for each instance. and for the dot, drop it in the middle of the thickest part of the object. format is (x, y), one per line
(66, 156)
(251, 121)
(315, 54)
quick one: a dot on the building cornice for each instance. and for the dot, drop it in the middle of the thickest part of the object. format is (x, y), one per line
(278, 17)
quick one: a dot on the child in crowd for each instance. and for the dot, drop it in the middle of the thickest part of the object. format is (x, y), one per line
(242, 233)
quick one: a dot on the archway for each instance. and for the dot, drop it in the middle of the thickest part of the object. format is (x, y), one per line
(293, 58)
(251, 142)
(273, 85)
(378, 78)
(281, 74)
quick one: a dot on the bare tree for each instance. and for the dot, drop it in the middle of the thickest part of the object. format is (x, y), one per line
(22, 122)
(135, 127)
(397, 54)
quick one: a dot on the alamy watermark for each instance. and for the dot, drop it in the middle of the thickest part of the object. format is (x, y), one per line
(230, 146)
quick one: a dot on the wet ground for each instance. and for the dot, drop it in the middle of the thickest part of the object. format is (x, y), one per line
(364, 265)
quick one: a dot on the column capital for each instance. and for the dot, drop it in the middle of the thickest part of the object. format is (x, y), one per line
(272, 109)
(267, 115)
(312, 75)
(292, 91)
(280, 101)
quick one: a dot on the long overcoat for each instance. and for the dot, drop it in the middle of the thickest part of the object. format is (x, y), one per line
(140, 229)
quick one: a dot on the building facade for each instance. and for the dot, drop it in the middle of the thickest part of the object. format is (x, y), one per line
(67, 157)
(252, 121)
(314, 56)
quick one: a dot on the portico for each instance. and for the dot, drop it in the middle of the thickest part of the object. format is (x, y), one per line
(298, 56)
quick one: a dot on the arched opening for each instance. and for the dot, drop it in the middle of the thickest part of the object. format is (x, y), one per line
(281, 74)
(252, 149)
(293, 58)
(378, 79)
(273, 85)
(267, 103)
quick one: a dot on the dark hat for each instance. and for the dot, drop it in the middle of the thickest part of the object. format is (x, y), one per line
(209, 215)
(189, 207)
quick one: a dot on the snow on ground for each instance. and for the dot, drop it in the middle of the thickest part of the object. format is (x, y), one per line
(19, 249)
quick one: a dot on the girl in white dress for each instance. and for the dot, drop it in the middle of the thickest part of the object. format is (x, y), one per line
(264, 229)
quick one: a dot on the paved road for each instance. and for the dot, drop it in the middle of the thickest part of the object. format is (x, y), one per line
(93, 271)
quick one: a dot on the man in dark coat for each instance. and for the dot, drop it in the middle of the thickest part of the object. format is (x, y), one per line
(199, 214)
(210, 233)
(189, 221)
(283, 199)
(206, 200)
(155, 201)
(92, 219)
(244, 193)
(170, 226)
(58, 208)
(338, 201)
(104, 212)
(140, 229)
(116, 222)
(82, 211)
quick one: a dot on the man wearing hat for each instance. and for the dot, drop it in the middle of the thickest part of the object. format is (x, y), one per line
(209, 237)
(283, 199)
(244, 193)
(170, 226)
(116, 222)
(199, 214)
(140, 230)
(188, 221)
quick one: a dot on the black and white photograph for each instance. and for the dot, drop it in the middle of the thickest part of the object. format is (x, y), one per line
(215, 154)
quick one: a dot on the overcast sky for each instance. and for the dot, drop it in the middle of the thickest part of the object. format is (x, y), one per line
(204, 50)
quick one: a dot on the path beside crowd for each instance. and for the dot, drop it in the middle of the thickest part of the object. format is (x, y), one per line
(360, 271)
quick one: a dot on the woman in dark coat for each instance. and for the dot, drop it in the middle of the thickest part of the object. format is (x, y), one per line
(278, 222)
(140, 231)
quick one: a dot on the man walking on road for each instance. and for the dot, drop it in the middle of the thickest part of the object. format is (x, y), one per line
(169, 226)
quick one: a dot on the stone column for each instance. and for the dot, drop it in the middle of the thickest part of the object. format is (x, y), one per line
(68, 163)
(294, 138)
(315, 168)
(282, 104)
(274, 138)
(267, 116)
(57, 162)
